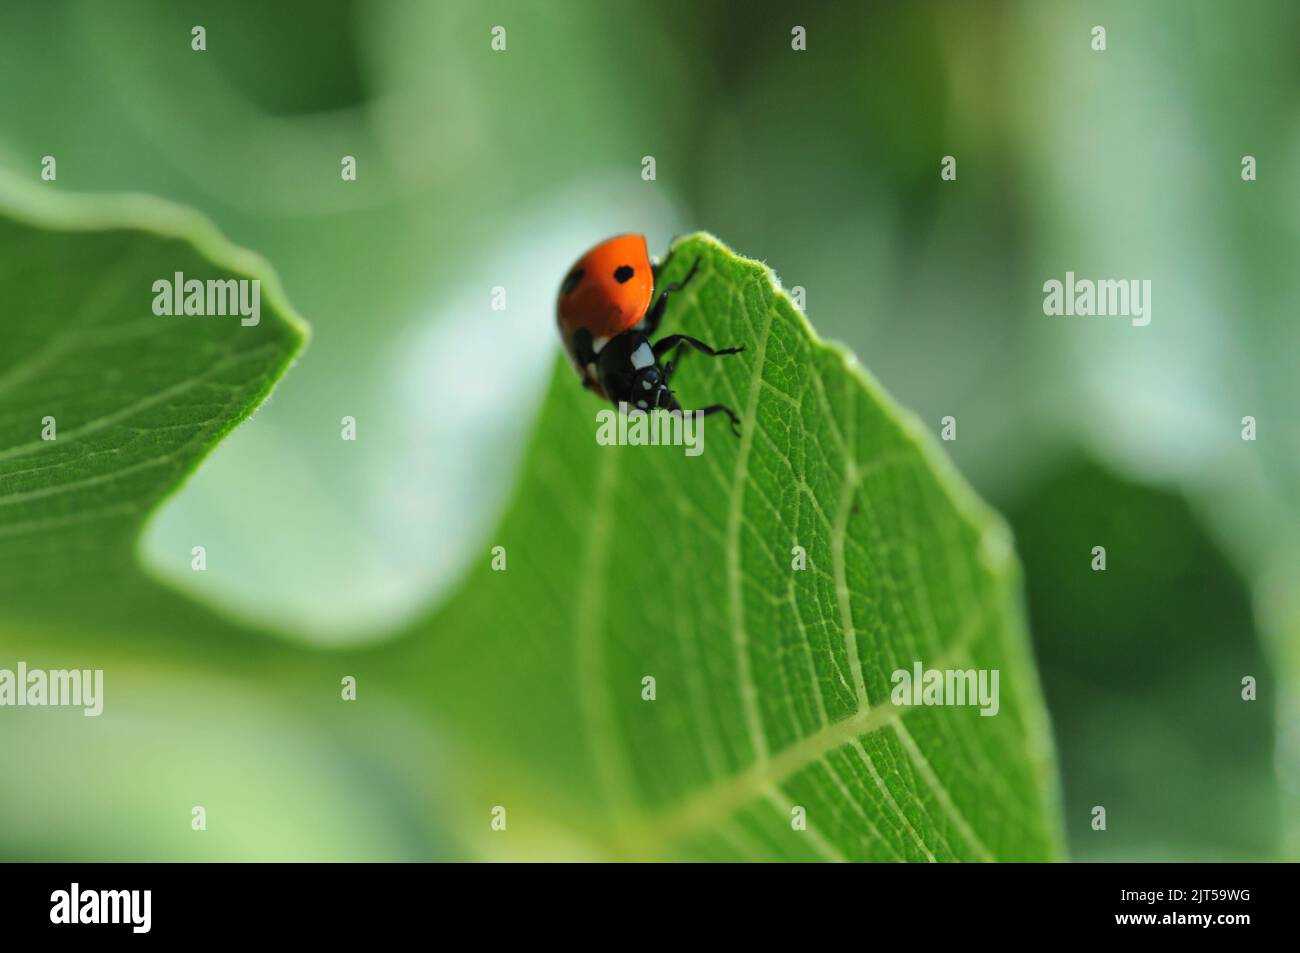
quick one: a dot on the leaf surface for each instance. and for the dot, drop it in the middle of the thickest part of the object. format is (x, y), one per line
(772, 685)
(106, 406)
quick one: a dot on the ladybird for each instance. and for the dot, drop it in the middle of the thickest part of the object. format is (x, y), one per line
(608, 311)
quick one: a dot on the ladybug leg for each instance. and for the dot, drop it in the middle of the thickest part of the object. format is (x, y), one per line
(664, 345)
(656, 312)
(657, 266)
(723, 409)
(670, 366)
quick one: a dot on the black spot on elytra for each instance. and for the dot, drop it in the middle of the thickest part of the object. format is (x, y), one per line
(571, 281)
(623, 274)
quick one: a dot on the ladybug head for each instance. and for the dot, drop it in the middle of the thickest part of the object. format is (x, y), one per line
(629, 372)
(651, 390)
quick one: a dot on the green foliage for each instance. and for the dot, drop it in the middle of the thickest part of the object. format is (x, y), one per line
(197, 710)
(937, 284)
(1148, 657)
(772, 686)
(107, 406)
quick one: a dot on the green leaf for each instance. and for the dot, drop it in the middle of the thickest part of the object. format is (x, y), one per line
(197, 709)
(106, 406)
(1170, 634)
(772, 686)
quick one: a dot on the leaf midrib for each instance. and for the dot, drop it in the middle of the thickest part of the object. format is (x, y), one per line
(735, 515)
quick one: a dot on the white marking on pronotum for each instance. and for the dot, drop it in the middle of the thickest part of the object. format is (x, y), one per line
(643, 357)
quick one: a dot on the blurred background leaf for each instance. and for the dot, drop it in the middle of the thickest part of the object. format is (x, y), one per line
(196, 711)
(107, 405)
(1145, 660)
